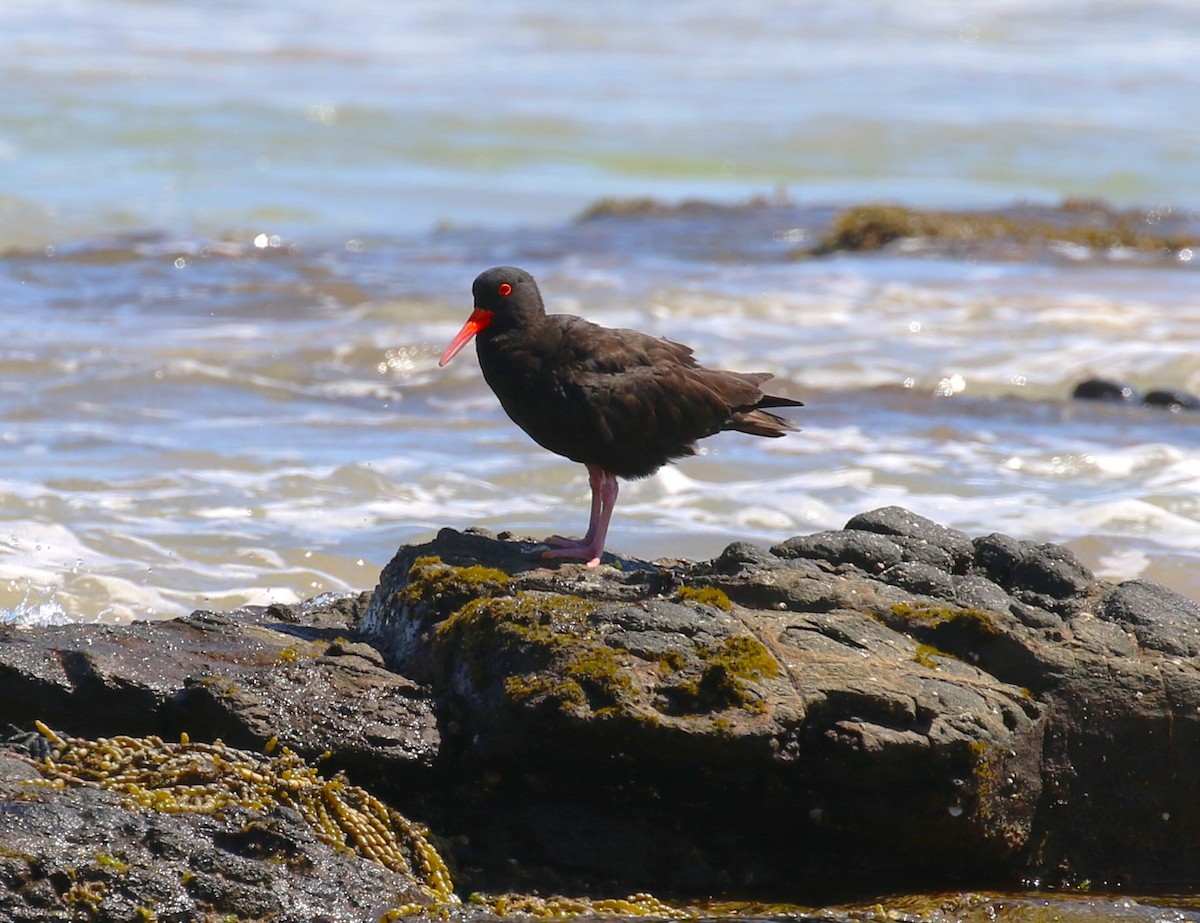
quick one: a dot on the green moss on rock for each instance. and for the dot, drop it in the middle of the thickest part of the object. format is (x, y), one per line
(726, 677)
(706, 595)
(976, 621)
(447, 588)
(309, 650)
(541, 648)
(927, 656)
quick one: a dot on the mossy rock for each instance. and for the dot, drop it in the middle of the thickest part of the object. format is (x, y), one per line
(705, 595)
(945, 631)
(547, 650)
(726, 677)
(1086, 224)
(540, 648)
(443, 588)
(974, 621)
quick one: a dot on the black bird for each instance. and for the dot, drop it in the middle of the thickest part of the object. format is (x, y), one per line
(620, 402)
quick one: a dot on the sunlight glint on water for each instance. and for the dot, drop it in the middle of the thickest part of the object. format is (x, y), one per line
(229, 259)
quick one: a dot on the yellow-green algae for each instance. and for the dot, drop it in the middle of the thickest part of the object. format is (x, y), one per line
(926, 655)
(934, 616)
(964, 906)
(558, 907)
(112, 862)
(727, 670)
(430, 581)
(548, 633)
(85, 895)
(705, 595)
(592, 677)
(204, 778)
(1088, 224)
(542, 648)
(310, 650)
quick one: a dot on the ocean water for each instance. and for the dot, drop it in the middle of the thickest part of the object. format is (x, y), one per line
(234, 239)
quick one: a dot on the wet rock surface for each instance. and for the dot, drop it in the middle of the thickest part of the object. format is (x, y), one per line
(82, 853)
(892, 704)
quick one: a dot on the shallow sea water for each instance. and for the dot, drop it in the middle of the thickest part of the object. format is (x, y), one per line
(229, 258)
(206, 426)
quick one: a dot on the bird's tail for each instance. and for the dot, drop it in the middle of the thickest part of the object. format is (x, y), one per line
(774, 400)
(760, 423)
(750, 417)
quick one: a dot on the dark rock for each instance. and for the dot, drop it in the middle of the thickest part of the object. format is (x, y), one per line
(1049, 576)
(865, 550)
(1173, 400)
(635, 716)
(1101, 389)
(1159, 618)
(996, 555)
(236, 676)
(741, 557)
(886, 706)
(920, 578)
(979, 592)
(797, 584)
(922, 539)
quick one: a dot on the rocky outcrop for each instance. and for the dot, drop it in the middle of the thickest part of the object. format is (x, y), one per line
(889, 705)
(886, 705)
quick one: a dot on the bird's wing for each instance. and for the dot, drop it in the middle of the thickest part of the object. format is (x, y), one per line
(592, 348)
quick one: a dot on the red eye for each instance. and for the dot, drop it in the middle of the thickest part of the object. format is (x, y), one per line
(504, 289)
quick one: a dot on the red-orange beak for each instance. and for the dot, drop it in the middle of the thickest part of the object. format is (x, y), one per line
(478, 320)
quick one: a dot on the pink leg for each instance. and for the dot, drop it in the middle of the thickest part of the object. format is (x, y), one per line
(604, 498)
(595, 478)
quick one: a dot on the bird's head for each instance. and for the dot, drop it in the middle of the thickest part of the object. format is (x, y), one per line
(505, 297)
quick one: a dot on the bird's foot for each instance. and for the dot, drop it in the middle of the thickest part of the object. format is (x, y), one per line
(576, 551)
(561, 541)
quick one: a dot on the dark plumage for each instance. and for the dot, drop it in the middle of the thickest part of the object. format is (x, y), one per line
(620, 402)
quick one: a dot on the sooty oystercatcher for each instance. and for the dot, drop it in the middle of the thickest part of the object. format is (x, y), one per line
(620, 402)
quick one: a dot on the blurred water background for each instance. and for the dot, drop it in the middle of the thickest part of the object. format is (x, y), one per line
(234, 239)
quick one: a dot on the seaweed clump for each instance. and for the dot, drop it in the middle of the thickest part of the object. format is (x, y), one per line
(559, 908)
(201, 778)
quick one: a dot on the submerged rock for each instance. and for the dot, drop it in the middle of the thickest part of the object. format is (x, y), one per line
(890, 705)
(1086, 224)
(1175, 400)
(1106, 391)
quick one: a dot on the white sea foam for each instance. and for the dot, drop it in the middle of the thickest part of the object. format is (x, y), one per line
(245, 406)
